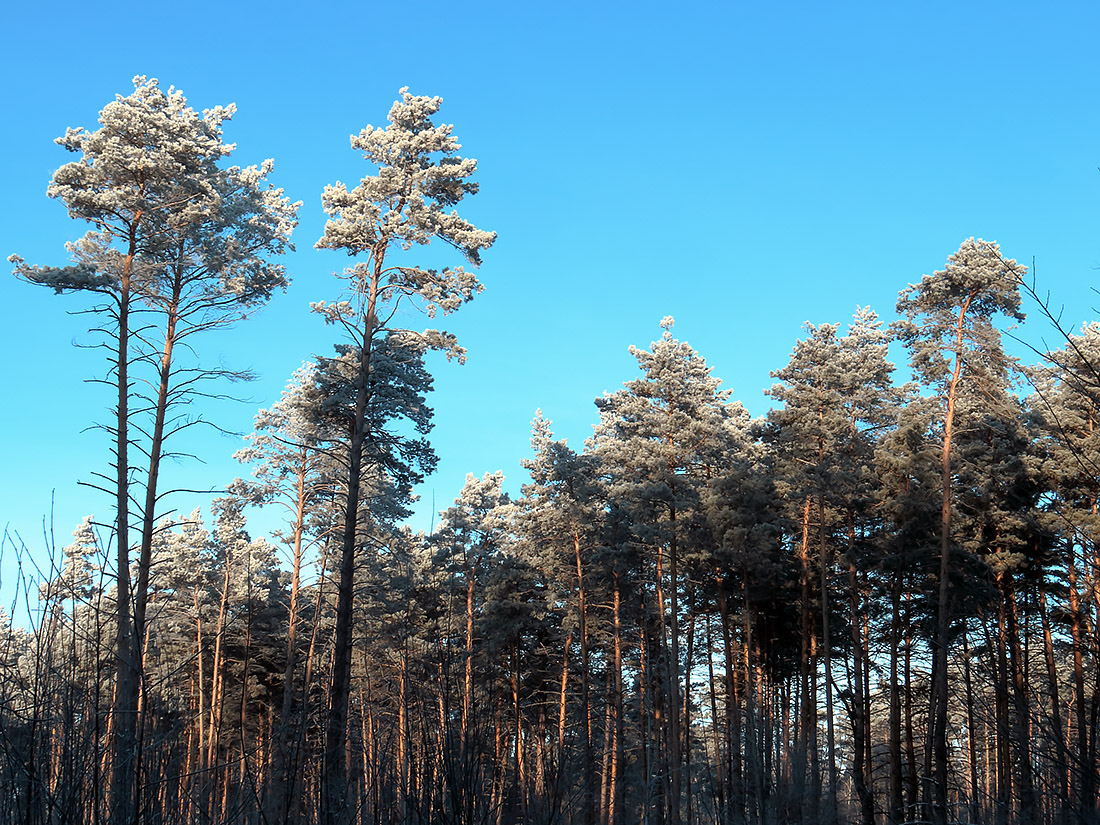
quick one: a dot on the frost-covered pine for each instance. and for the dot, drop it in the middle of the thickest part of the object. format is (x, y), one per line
(954, 349)
(174, 230)
(838, 398)
(661, 441)
(408, 201)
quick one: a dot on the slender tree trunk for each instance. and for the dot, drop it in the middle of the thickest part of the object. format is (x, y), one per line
(1001, 710)
(605, 769)
(217, 690)
(753, 750)
(721, 785)
(616, 704)
(520, 750)
(765, 692)
(335, 791)
(664, 705)
(468, 662)
(496, 797)
(686, 711)
(736, 809)
(156, 448)
(402, 740)
(938, 710)
(675, 737)
(861, 768)
(868, 729)
(971, 734)
(297, 801)
(644, 715)
(734, 764)
(1061, 760)
(910, 741)
(242, 786)
(1085, 787)
(588, 805)
(562, 704)
(896, 810)
(807, 733)
(124, 767)
(1092, 581)
(1029, 808)
(830, 812)
(201, 765)
(787, 724)
(285, 775)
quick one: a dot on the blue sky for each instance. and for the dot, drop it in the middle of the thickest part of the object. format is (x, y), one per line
(744, 167)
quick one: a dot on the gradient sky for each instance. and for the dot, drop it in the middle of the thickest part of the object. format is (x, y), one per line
(744, 167)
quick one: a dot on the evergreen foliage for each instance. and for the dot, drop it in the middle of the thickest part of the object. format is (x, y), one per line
(878, 603)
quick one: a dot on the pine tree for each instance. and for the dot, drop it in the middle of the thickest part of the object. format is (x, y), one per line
(660, 442)
(908, 500)
(419, 176)
(470, 545)
(837, 396)
(1066, 400)
(954, 348)
(559, 521)
(754, 582)
(294, 469)
(175, 232)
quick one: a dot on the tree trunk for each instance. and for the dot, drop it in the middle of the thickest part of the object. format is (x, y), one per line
(402, 740)
(217, 689)
(910, 739)
(753, 753)
(734, 770)
(1086, 793)
(334, 801)
(285, 775)
(971, 735)
(156, 448)
(896, 810)
(830, 812)
(685, 714)
(616, 705)
(562, 705)
(1061, 760)
(807, 733)
(938, 709)
(644, 701)
(721, 785)
(1029, 808)
(588, 794)
(675, 738)
(1001, 710)
(125, 768)
(861, 768)
(200, 778)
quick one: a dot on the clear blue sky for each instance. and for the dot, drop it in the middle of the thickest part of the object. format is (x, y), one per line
(744, 167)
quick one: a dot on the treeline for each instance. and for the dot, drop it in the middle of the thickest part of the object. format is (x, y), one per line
(879, 603)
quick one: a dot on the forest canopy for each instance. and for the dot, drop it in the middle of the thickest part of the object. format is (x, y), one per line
(877, 603)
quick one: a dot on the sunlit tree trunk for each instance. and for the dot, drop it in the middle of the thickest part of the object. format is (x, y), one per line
(125, 768)
(825, 560)
(588, 773)
(1085, 786)
(1029, 808)
(1060, 755)
(284, 777)
(896, 809)
(861, 767)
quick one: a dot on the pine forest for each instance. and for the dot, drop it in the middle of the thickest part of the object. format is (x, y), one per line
(879, 603)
